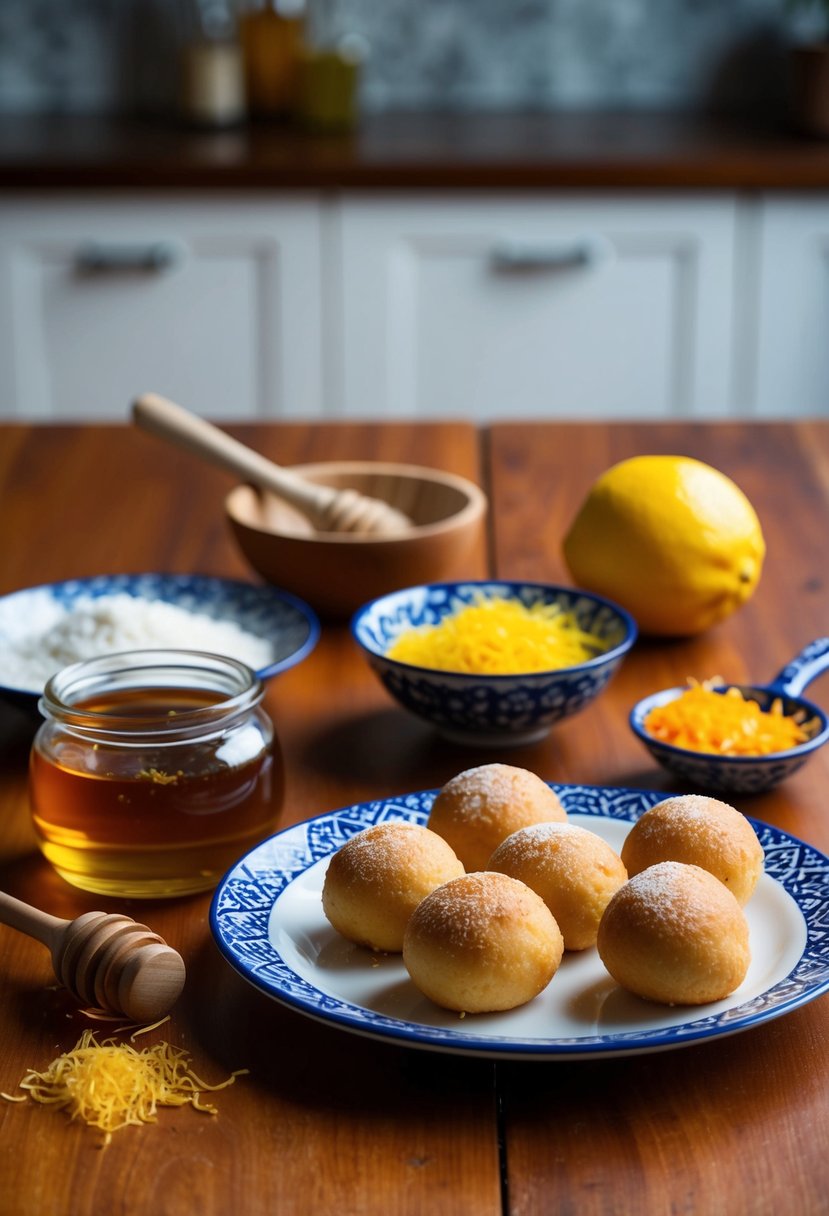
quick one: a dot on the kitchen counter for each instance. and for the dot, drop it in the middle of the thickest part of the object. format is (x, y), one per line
(413, 151)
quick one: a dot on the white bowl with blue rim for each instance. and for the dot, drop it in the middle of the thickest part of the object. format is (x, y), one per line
(286, 626)
(491, 710)
(747, 774)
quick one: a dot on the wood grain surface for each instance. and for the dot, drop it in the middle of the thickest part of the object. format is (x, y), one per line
(738, 1125)
(330, 1123)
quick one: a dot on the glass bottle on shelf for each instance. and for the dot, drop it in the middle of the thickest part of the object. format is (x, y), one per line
(212, 69)
(329, 91)
(272, 34)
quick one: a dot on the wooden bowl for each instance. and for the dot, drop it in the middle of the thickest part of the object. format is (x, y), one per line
(337, 572)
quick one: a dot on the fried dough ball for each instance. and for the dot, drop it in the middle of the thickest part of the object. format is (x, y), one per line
(377, 879)
(574, 871)
(676, 935)
(700, 831)
(481, 943)
(480, 807)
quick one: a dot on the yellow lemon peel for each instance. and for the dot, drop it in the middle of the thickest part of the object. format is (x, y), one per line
(671, 539)
(499, 637)
(111, 1085)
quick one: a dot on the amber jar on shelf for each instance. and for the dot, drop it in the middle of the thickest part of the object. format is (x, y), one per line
(153, 771)
(272, 36)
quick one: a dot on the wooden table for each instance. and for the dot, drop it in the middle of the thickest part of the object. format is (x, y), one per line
(330, 1123)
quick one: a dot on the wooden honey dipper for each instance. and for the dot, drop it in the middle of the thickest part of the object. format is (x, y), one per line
(328, 509)
(106, 960)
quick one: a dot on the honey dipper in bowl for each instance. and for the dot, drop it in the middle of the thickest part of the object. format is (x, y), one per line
(327, 508)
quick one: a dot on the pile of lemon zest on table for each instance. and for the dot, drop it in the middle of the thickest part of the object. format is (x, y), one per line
(111, 1085)
(499, 637)
(723, 723)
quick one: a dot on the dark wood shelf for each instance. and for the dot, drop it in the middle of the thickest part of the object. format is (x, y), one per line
(415, 151)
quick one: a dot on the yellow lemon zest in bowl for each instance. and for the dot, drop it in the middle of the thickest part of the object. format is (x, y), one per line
(724, 723)
(499, 637)
(112, 1085)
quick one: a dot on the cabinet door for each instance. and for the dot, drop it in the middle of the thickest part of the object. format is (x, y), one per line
(792, 356)
(568, 306)
(213, 303)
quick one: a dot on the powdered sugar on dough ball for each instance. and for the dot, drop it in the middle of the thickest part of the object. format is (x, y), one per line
(377, 879)
(481, 943)
(574, 871)
(476, 810)
(699, 831)
(676, 935)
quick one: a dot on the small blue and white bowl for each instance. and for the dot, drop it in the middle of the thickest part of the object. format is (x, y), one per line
(747, 774)
(491, 710)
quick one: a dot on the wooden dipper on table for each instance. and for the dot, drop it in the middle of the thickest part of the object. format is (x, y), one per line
(106, 960)
(328, 509)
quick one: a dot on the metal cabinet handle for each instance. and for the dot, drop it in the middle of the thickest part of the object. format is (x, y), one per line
(527, 256)
(153, 258)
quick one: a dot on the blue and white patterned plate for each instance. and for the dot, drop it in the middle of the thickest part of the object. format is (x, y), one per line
(267, 919)
(288, 624)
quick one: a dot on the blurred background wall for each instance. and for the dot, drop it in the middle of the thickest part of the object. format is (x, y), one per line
(118, 55)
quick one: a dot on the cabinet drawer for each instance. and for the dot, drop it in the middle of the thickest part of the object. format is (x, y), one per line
(792, 349)
(568, 306)
(216, 304)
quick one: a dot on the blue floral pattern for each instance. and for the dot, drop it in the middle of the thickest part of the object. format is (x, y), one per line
(243, 902)
(491, 709)
(742, 774)
(266, 612)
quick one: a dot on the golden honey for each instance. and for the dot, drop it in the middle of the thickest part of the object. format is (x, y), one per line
(153, 772)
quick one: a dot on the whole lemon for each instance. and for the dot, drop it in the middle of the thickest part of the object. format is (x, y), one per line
(671, 539)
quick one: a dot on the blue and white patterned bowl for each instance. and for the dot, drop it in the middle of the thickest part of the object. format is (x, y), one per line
(287, 623)
(747, 774)
(490, 710)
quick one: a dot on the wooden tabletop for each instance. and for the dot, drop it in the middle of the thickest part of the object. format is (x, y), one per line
(417, 151)
(329, 1122)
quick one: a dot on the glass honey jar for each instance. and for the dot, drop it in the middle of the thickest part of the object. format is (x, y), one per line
(153, 771)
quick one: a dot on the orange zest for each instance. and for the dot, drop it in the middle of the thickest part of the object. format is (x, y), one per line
(724, 723)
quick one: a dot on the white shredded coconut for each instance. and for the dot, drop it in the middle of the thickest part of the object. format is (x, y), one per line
(111, 623)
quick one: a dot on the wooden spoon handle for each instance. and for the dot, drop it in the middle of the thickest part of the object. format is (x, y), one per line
(31, 921)
(170, 421)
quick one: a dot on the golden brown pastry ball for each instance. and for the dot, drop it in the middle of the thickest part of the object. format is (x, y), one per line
(479, 808)
(674, 934)
(481, 943)
(574, 871)
(702, 832)
(377, 879)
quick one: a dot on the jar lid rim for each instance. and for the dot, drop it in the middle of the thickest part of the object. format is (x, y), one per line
(240, 688)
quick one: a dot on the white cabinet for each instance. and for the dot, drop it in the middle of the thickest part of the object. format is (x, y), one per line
(606, 305)
(791, 360)
(215, 303)
(570, 306)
